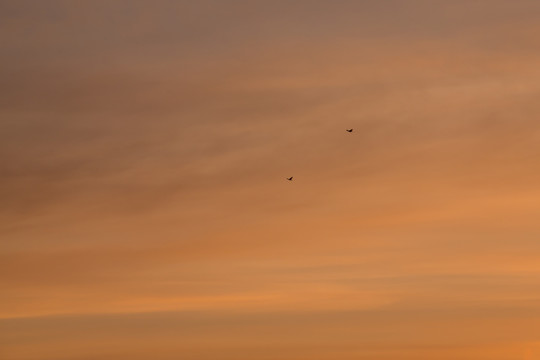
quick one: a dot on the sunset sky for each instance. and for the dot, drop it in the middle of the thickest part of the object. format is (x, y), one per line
(144, 207)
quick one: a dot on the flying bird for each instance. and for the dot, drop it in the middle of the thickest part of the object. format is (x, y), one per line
(290, 178)
(349, 130)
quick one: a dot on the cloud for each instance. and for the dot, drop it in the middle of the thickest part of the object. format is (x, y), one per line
(145, 211)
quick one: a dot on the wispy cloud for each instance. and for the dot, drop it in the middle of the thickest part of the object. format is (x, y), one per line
(144, 208)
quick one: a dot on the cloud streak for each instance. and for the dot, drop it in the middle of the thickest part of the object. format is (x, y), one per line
(144, 209)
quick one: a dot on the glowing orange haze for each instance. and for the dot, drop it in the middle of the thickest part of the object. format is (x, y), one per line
(145, 212)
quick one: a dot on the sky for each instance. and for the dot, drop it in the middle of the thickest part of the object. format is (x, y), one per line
(144, 206)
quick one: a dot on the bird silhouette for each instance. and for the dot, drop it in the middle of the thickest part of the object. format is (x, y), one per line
(349, 130)
(290, 178)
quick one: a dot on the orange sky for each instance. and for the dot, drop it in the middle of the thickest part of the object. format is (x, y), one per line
(144, 211)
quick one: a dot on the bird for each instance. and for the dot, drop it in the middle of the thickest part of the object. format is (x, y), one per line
(349, 130)
(290, 178)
